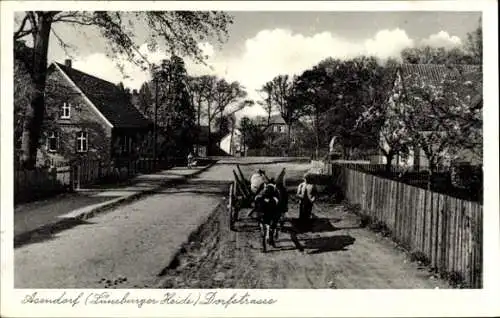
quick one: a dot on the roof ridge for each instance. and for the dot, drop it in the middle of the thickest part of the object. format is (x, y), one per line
(87, 74)
(439, 64)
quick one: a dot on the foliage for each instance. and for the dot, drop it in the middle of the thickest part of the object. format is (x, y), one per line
(176, 114)
(446, 117)
(335, 93)
(253, 135)
(385, 115)
(432, 55)
(227, 95)
(177, 32)
(474, 45)
(469, 53)
(23, 91)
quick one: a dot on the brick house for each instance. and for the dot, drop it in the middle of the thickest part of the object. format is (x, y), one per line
(90, 118)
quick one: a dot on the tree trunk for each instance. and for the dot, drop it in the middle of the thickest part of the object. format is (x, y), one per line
(35, 112)
(388, 163)
(345, 150)
(220, 127)
(317, 135)
(432, 169)
(231, 140)
(199, 127)
(288, 140)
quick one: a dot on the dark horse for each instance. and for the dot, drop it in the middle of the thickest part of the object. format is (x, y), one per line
(271, 204)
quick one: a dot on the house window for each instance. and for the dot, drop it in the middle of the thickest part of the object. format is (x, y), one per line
(282, 129)
(82, 141)
(53, 141)
(126, 144)
(275, 128)
(66, 110)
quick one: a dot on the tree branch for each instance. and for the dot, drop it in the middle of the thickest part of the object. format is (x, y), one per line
(63, 44)
(21, 32)
(32, 18)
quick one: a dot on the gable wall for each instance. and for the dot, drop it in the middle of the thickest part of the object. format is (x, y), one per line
(82, 117)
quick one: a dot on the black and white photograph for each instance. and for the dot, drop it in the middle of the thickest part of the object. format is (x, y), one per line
(216, 149)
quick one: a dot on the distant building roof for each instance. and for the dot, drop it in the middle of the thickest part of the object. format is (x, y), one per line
(277, 119)
(435, 73)
(274, 120)
(111, 101)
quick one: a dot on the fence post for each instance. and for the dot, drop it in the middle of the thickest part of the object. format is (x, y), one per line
(75, 176)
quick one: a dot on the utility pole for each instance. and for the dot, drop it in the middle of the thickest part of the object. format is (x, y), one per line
(155, 137)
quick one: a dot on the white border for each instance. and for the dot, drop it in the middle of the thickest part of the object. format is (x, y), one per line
(291, 303)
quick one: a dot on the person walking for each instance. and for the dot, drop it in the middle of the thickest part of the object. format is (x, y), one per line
(306, 192)
(190, 160)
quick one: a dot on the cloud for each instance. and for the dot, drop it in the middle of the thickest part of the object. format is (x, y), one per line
(269, 53)
(442, 39)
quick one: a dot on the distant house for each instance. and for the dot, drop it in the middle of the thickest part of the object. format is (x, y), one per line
(201, 143)
(405, 75)
(92, 118)
(276, 124)
(233, 143)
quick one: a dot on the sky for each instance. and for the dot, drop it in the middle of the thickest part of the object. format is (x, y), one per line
(262, 45)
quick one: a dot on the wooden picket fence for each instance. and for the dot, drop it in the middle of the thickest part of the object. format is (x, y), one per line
(43, 182)
(447, 230)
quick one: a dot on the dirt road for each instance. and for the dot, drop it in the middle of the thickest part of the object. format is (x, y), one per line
(129, 246)
(334, 253)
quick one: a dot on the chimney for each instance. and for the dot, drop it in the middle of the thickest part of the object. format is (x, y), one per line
(67, 63)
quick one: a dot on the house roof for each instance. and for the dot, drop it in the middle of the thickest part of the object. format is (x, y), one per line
(434, 73)
(110, 100)
(274, 120)
(277, 119)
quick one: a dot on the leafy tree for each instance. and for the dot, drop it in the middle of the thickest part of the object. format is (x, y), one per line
(432, 55)
(202, 94)
(177, 31)
(474, 44)
(470, 53)
(312, 89)
(23, 91)
(384, 114)
(224, 124)
(176, 113)
(446, 117)
(280, 95)
(267, 103)
(335, 93)
(146, 100)
(226, 95)
(253, 135)
(354, 87)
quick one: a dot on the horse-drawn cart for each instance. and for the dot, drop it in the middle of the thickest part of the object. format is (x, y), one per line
(242, 199)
